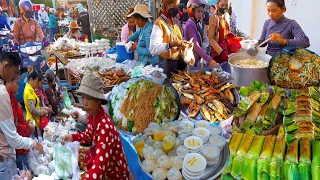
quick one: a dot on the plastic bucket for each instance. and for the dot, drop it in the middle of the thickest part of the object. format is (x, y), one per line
(122, 53)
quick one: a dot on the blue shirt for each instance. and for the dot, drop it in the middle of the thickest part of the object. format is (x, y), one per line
(143, 37)
(52, 21)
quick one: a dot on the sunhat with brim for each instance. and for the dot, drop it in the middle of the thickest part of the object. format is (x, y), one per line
(142, 10)
(92, 85)
(73, 25)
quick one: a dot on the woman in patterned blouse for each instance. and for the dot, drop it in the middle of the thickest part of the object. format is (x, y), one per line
(282, 31)
(106, 158)
(142, 15)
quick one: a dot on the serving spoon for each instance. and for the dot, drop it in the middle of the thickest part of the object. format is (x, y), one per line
(254, 51)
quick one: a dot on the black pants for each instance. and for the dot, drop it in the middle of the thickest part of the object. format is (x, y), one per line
(171, 66)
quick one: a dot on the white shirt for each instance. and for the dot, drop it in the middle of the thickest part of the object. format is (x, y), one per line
(43, 15)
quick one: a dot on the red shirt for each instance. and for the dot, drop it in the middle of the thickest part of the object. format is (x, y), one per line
(109, 161)
(42, 95)
(23, 129)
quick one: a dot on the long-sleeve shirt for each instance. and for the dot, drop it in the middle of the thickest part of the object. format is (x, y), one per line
(54, 98)
(9, 138)
(23, 129)
(143, 37)
(43, 14)
(24, 31)
(191, 31)
(52, 21)
(4, 23)
(109, 159)
(83, 21)
(162, 34)
(233, 23)
(32, 104)
(125, 32)
(289, 30)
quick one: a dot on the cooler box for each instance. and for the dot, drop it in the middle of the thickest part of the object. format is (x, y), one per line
(122, 53)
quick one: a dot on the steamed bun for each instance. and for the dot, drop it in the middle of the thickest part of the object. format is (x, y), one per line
(159, 174)
(148, 165)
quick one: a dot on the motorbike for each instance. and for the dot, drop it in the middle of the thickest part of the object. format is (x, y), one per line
(5, 36)
(32, 56)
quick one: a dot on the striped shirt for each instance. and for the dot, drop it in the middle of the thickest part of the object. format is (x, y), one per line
(289, 30)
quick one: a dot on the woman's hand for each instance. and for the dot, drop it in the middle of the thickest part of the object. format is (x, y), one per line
(67, 137)
(176, 43)
(276, 37)
(133, 47)
(32, 128)
(214, 64)
(75, 114)
(37, 146)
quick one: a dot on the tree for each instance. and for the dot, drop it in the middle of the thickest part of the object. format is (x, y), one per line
(45, 2)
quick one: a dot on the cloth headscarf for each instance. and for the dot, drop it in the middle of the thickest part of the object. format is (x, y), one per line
(80, 8)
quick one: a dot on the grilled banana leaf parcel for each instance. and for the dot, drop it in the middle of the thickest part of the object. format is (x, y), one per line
(305, 159)
(291, 171)
(264, 160)
(273, 108)
(248, 101)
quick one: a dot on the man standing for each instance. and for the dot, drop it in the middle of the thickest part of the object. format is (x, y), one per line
(43, 15)
(9, 138)
(83, 21)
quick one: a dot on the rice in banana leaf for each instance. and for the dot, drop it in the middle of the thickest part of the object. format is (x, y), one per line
(265, 94)
(248, 101)
(291, 171)
(305, 160)
(277, 163)
(315, 93)
(265, 158)
(315, 165)
(245, 144)
(249, 170)
(273, 108)
(254, 112)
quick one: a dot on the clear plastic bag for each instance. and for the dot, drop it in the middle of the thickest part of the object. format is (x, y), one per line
(189, 58)
(67, 100)
(66, 160)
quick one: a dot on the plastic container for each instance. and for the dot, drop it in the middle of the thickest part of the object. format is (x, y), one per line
(157, 80)
(193, 143)
(215, 130)
(202, 133)
(122, 53)
(194, 163)
(211, 152)
(217, 140)
(202, 124)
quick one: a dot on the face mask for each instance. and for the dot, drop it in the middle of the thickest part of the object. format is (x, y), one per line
(28, 14)
(222, 10)
(54, 86)
(173, 12)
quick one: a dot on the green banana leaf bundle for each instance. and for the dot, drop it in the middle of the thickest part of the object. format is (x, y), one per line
(305, 160)
(277, 163)
(264, 160)
(315, 165)
(248, 101)
(291, 171)
(272, 109)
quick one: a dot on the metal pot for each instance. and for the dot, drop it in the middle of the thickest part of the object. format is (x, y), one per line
(245, 76)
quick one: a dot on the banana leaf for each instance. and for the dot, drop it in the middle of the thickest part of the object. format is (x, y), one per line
(246, 125)
(262, 112)
(264, 160)
(315, 105)
(291, 171)
(315, 165)
(257, 86)
(235, 142)
(276, 165)
(249, 170)
(293, 95)
(265, 94)
(273, 108)
(290, 128)
(254, 112)
(238, 112)
(291, 137)
(247, 102)
(314, 94)
(315, 114)
(257, 127)
(305, 160)
(244, 91)
(236, 167)
(287, 120)
(280, 91)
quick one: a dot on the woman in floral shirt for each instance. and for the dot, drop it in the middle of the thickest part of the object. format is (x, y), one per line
(106, 158)
(142, 15)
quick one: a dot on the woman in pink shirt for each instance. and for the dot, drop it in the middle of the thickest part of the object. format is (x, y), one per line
(129, 28)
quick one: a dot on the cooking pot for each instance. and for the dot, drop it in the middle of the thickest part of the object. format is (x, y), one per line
(245, 76)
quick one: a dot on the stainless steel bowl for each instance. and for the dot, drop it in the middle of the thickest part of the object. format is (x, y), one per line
(245, 76)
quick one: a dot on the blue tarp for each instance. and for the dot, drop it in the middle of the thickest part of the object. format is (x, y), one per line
(132, 158)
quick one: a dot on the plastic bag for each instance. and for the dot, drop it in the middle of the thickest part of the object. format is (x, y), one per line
(67, 100)
(66, 160)
(233, 43)
(188, 53)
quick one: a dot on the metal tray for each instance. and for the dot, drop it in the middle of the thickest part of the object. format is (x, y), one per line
(212, 172)
(184, 108)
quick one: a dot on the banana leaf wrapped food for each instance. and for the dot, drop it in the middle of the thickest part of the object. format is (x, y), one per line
(233, 146)
(245, 144)
(254, 112)
(264, 97)
(291, 171)
(315, 165)
(248, 101)
(305, 159)
(249, 170)
(273, 108)
(277, 161)
(315, 93)
(264, 160)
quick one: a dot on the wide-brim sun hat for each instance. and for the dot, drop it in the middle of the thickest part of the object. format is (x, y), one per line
(142, 10)
(73, 25)
(92, 85)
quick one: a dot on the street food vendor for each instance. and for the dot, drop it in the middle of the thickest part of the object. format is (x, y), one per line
(166, 38)
(141, 15)
(74, 31)
(282, 31)
(106, 158)
(129, 28)
(26, 29)
(192, 28)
